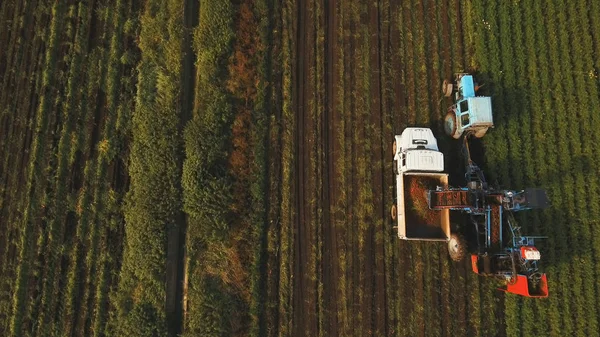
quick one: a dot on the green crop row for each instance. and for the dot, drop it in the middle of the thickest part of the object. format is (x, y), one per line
(56, 224)
(568, 276)
(539, 80)
(263, 109)
(557, 159)
(120, 93)
(586, 98)
(36, 166)
(591, 56)
(86, 147)
(558, 282)
(19, 122)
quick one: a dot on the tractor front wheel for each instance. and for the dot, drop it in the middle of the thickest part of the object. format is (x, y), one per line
(450, 124)
(447, 88)
(457, 247)
(394, 212)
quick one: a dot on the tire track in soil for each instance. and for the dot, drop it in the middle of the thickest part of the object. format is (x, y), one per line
(401, 254)
(351, 275)
(271, 314)
(329, 265)
(346, 234)
(379, 304)
(387, 96)
(304, 288)
(362, 235)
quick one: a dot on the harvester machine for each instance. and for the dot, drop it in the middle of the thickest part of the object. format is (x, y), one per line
(500, 249)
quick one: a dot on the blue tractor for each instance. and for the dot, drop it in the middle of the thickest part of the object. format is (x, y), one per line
(470, 114)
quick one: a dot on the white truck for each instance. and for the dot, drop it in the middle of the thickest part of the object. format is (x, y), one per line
(418, 168)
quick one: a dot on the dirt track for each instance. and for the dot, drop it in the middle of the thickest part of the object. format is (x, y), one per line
(176, 264)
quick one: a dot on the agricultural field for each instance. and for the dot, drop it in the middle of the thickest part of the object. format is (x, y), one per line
(224, 168)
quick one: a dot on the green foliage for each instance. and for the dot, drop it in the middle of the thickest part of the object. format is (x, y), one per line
(153, 203)
(212, 42)
(207, 187)
(212, 308)
(541, 95)
(206, 184)
(143, 321)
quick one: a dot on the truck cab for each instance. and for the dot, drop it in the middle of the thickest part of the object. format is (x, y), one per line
(416, 150)
(469, 113)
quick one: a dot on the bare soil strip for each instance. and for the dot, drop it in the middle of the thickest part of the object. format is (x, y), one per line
(304, 285)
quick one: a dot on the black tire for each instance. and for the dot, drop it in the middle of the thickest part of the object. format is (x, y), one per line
(450, 124)
(457, 247)
(447, 88)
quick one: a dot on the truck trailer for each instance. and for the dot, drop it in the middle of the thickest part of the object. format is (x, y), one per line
(418, 167)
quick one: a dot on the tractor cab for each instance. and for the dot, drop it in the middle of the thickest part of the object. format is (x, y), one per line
(469, 113)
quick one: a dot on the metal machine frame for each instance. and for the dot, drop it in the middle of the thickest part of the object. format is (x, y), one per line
(515, 260)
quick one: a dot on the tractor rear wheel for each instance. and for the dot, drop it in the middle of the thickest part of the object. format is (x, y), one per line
(457, 247)
(394, 212)
(447, 88)
(450, 124)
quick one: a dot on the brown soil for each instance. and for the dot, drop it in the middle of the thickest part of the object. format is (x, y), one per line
(375, 290)
(304, 285)
(271, 271)
(379, 307)
(331, 119)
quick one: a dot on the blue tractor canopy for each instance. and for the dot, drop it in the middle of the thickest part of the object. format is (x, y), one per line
(466, 86)
(469, 113)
